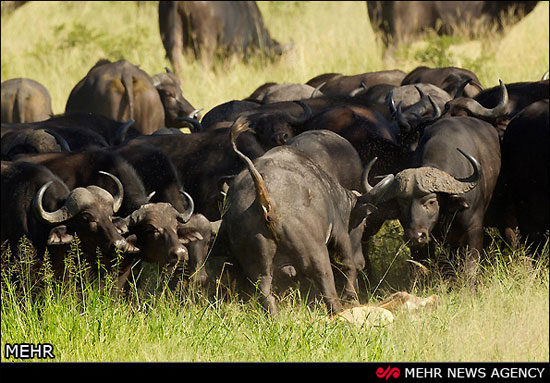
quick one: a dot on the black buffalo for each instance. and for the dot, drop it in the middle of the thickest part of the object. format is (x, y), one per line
(73, 131)
(209, 27)
(523, 187)
(444, 193)
(202, 161)
(450, 79)
(286, 217)
(402, 21)
(340, 85)
(81, 169)
(37, 204)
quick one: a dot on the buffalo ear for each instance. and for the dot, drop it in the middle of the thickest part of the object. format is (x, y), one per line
(457, 202)
(121, 224)
(187, 235)
(59, 236)
(132, 240)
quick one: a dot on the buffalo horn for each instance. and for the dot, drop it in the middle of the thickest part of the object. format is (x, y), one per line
(401, 120)
(420, 92)
(120, 195)
(365, 175)
(317, 91)
(478, 110)
(355, 92)
(196, 124)
(60, 140)
(186, 215)
(391, 102)
(195, 113)
(474, 178)
(545, 76)
(60, 215)
(122, 131)
(373, 194)
(302, 119)
(460, 89)
(436, 108)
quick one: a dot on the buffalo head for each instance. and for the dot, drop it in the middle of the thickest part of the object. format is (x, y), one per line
(87, 211)
(158, 230)
(419, 193)
(275, 129)
(178, 111)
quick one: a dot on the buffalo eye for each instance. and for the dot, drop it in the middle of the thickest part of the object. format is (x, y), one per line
(152, 231)
(431, 203)
(87, 217)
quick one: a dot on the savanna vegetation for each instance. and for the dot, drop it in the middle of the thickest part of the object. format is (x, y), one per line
(503, 318)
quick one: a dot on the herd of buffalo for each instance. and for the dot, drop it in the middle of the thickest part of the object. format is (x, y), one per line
(285, 185)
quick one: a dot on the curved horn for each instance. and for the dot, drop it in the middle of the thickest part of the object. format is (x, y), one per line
(122, 131)
(478, 110)
(355, 92)
(195, 113)
(474, 178)
(60, 140)
(317, 91)
(365, 175)
(196, 124)
(391, 103)
(374, 194)
(545, 76)
(186, 215)
(378, 191)
(60, 215)
(436, 108)
(460, 89)
(420, 92)
(302, 119)
(401, 120)
(120, 195)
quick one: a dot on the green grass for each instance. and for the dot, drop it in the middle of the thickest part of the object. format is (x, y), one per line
(504, 319)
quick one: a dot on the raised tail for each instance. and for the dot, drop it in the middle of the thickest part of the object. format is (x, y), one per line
(241, 125)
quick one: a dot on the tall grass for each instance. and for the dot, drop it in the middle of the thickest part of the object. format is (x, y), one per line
(504, 319)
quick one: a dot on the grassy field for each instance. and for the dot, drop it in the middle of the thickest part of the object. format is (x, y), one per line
(504, 319)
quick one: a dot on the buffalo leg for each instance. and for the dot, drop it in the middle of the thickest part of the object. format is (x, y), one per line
(319, 269)
(474, 241)
(348, 265)
(256, 259)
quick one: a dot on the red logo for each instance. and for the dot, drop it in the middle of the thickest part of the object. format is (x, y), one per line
(388, 372)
